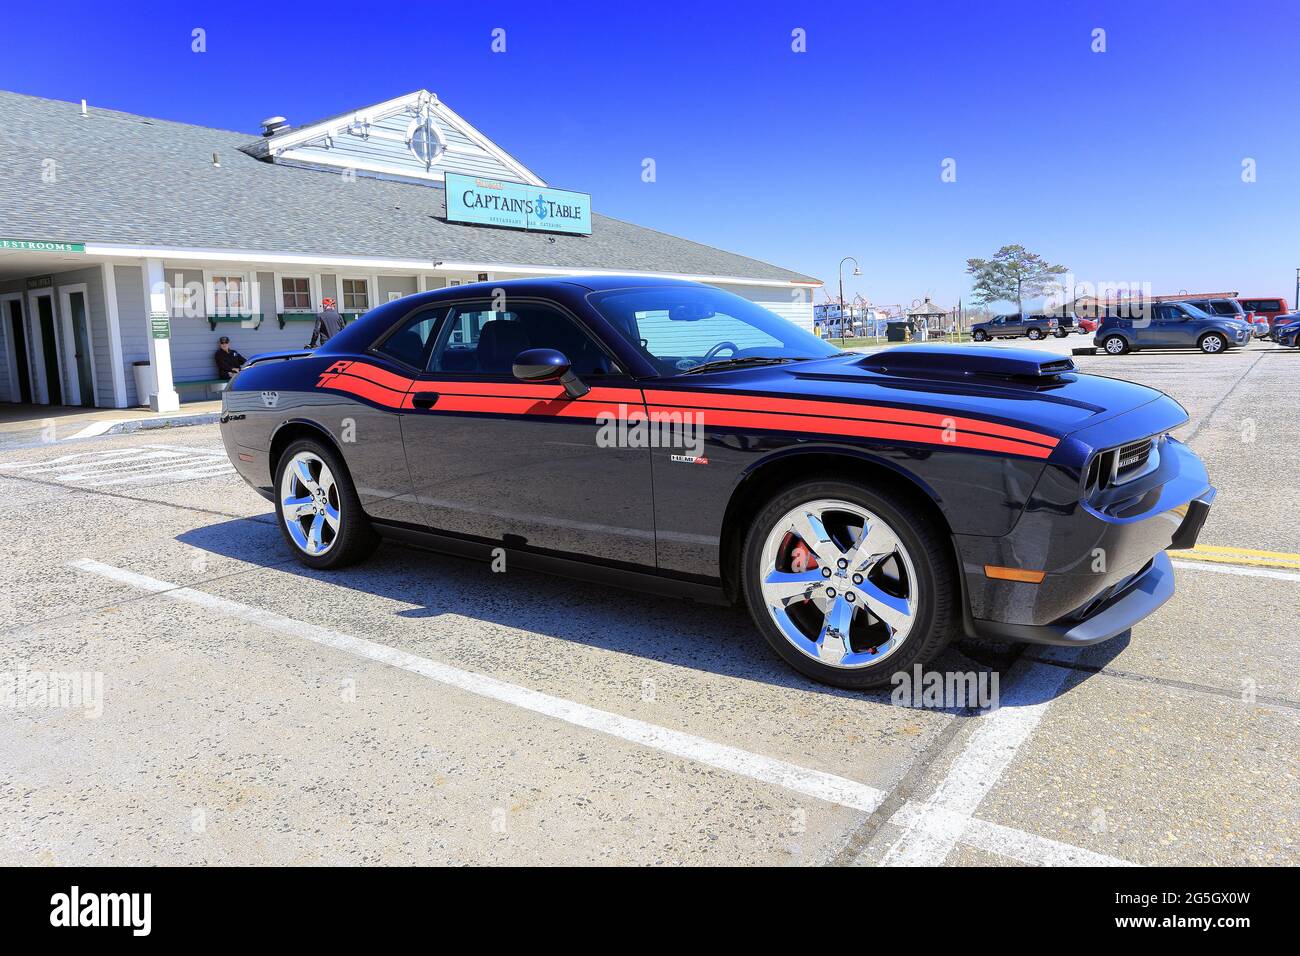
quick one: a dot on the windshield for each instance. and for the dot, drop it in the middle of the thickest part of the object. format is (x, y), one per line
(679, 328)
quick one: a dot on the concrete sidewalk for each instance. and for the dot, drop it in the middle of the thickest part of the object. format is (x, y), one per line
(25, 425)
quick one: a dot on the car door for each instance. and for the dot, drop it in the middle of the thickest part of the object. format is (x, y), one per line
(498, 459)
(1158, 328)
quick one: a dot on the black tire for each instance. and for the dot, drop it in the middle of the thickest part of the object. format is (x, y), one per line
(1212, 343)
(936, 619)
(1035, 334)
(1061, 333)
(979, 335)
(356, 539)
(1107, 345)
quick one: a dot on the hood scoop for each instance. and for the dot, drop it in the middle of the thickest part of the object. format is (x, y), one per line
(964, 363)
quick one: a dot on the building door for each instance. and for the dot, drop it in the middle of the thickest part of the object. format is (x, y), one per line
(18, 337)
(46, 348)
(81, 368)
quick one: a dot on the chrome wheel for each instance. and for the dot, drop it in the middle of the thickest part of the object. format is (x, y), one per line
(1115, 345)
(838, 583)
(1212, 344)
(309, 503)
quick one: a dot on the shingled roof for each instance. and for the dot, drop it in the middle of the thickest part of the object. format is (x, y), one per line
(123, 178)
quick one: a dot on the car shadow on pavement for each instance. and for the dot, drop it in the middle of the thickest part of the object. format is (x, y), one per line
(705, 637)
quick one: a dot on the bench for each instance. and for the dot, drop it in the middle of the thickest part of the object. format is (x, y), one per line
(205, 383)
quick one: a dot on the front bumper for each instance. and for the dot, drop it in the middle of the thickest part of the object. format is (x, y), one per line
(1124, 607)
(1105, 569)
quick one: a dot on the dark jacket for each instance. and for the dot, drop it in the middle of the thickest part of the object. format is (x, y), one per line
(328, 324)
(228, 362)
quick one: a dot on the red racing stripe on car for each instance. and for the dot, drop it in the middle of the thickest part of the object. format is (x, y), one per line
(748, 411)
(771, 421)
(363, 388)
(851, 410)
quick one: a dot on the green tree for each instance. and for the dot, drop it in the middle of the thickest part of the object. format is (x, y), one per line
(1013, 273)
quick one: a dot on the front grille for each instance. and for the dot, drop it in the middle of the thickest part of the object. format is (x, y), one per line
(1115, 466)
(1132, 458)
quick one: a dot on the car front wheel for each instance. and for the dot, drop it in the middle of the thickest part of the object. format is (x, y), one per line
(848, 584)
(319, 513)
(1212, 343)
(979, 335)
(1115, 345)
(1062, 333)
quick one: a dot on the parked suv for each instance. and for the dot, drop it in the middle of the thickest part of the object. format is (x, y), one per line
(1013, 326)
(1172, 325)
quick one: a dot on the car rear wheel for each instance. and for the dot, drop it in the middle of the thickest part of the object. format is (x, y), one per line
(979, 335)
(848, 584)
(319, 513)
(1035, 334)
(1115, 345)
(1062, 333)
(1212, 343)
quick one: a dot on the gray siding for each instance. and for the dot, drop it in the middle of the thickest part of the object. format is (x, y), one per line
(133, 323)
(402, 285)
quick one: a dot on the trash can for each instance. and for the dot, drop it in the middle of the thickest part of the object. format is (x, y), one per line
(896, 332)
(144, 382)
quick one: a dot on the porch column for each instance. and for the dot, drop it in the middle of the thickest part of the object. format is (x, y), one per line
(158, 317)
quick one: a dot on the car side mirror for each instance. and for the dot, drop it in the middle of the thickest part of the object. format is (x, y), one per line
(548, 365)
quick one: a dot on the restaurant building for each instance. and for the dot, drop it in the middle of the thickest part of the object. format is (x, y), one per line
(129, 245)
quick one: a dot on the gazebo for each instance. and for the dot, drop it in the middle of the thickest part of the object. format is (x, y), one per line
(927, 315)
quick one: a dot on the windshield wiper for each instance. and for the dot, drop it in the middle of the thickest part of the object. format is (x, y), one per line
(726, 363)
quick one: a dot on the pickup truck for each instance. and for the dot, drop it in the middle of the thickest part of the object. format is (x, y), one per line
(1013, 326)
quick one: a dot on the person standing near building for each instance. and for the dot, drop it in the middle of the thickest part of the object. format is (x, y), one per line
(228, 360)
(328, 324)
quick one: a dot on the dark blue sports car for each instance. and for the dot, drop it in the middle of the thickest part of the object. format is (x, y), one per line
(676, 438)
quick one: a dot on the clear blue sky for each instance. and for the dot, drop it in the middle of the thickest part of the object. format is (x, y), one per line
(1124, 165)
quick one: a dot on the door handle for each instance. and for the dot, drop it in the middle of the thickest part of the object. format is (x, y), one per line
(424, 399)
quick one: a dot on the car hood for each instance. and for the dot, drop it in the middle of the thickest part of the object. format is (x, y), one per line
(988, 383)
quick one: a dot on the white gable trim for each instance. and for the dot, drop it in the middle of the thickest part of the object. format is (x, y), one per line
(289, 145)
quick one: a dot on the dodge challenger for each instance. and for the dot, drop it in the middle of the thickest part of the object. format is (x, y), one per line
(676, 438)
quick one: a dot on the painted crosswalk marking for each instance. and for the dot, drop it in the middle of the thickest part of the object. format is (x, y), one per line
(139, 466)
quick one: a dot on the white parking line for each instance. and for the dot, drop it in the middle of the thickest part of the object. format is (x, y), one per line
(812, 783)
(931, 834)
(947, 824)
(1235, 569)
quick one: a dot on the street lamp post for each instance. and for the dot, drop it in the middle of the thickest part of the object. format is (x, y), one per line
(857, 271)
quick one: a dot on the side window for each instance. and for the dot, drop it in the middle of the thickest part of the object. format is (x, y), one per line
(479, 339)
(410, 342)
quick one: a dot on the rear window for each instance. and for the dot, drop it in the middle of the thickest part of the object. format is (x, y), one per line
(1261, 305)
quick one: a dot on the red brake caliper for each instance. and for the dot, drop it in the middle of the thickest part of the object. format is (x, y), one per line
(802, 559)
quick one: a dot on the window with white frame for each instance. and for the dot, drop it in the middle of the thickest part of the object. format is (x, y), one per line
(296, 292)
(356, 295)
(229, 295)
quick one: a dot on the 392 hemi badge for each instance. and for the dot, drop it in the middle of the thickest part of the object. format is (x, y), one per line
(690, 459)
(270, 399)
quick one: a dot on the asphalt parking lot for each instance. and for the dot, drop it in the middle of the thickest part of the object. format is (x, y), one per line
(418, 709)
